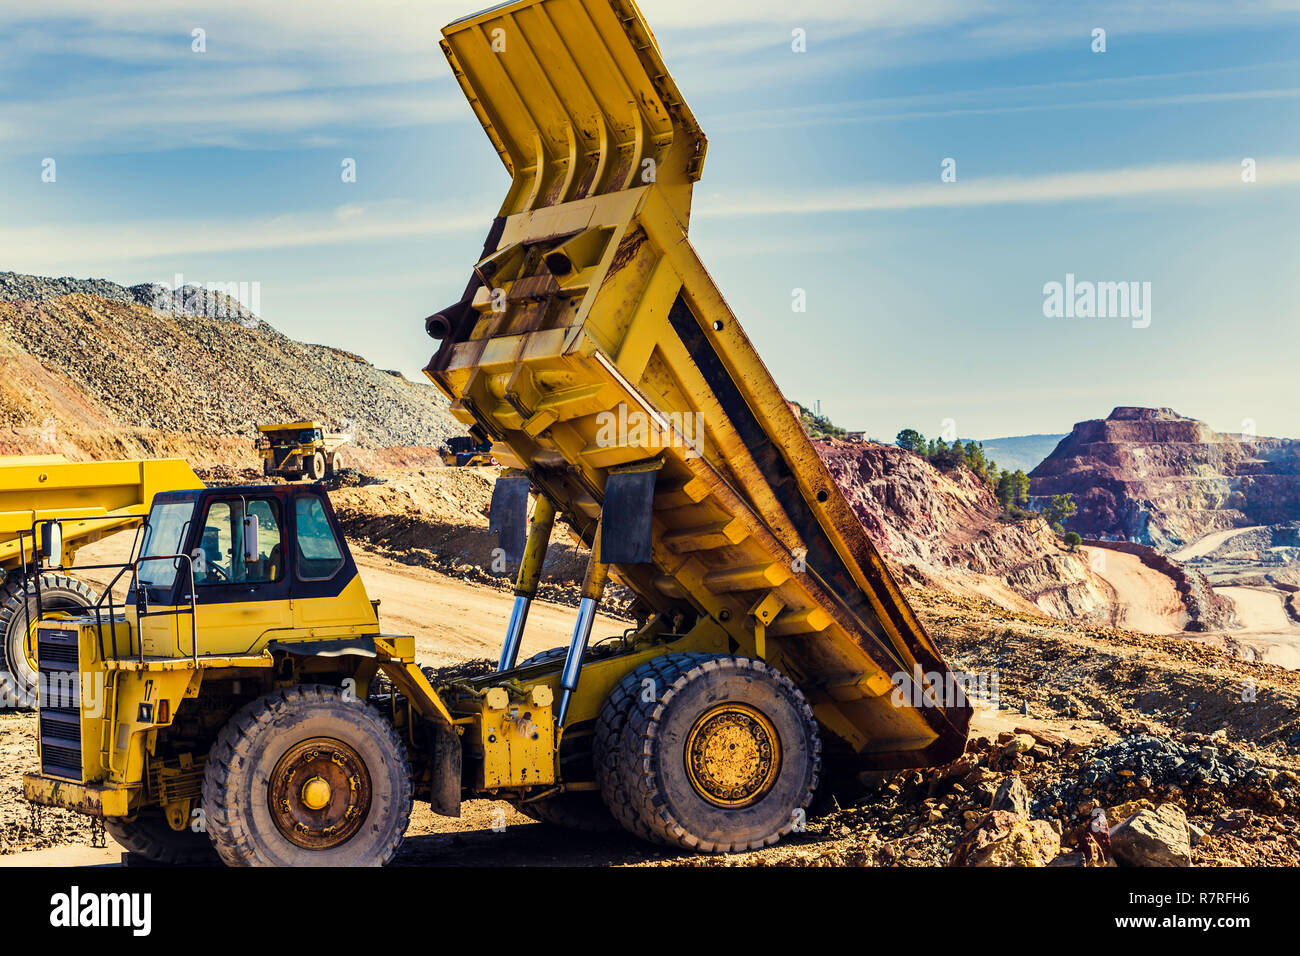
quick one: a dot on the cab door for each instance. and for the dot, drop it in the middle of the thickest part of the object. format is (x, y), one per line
(328, 596)
(239, 598)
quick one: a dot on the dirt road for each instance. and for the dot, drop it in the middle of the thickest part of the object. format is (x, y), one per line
(1145, 599)
(1211, 542)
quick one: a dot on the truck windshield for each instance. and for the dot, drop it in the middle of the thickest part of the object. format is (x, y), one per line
(166, 527)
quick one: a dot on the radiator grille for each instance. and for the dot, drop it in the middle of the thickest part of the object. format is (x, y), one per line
(60, 703)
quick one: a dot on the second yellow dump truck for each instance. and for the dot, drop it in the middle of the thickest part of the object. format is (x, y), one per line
(92, 500)
(300, 450)
(246, 700)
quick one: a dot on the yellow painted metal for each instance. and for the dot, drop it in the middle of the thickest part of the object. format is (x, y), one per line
(246, 627)
(91, 799)
(539, 538)
(591, 337)
(733, 755)
(398, 661)
(516, 739)
(91, 499)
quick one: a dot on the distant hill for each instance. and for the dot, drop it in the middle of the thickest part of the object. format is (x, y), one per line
(1154, 476)
(1020, 451)
(93, 367)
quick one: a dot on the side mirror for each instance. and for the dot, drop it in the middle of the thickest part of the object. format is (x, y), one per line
(52, 543)
(252, 549)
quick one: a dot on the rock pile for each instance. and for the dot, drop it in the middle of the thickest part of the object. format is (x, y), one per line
(104, 353)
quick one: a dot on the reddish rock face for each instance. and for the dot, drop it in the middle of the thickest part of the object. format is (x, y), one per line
(944, 529)
(1151, 475)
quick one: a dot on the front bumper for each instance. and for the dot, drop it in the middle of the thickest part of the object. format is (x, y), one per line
(88, 798)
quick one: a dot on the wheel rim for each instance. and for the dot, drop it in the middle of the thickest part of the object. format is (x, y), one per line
(319, 793)
(733, 755)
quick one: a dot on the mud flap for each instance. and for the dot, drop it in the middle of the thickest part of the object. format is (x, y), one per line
(625, 518)
(445, 768)
(508, 519)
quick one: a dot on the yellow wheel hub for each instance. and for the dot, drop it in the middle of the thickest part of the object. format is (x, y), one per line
(316, 794)
(733, 755)
(319, 793)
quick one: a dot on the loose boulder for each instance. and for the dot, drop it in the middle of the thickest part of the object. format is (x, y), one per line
(1158, 837)
(1004, 838)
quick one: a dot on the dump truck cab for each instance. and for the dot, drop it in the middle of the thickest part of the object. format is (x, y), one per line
(298, 450)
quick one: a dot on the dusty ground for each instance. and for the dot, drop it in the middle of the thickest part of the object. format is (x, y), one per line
(1101, 693)
(1143, 598)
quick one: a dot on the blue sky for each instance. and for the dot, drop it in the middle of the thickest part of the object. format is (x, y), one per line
(925, 298)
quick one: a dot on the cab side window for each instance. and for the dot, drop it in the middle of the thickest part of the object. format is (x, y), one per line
(319, 554)
(222, 544)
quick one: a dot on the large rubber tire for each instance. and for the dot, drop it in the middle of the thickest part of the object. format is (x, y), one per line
(644, 776)
(17, 666)
(238, 778)
(149, 836)
(334, 465)
(558, 654)
(314, 467)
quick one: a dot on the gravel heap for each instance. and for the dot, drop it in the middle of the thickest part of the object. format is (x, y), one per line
(154, 359)
(1202, 772)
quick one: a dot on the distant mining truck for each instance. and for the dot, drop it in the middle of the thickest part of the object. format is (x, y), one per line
(464, 451)
(299, 450)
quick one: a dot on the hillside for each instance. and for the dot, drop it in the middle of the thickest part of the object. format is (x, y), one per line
(943, 529)
(93, 368)
(1153, 476)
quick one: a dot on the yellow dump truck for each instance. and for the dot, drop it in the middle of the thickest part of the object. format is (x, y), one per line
(466, 451)
(298, 450)
(246, 698)
(93, 500)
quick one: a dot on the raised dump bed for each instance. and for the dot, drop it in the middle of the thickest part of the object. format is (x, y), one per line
(92, 499)
(591, 342)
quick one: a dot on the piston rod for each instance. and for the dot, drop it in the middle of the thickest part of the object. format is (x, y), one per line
(593, 587)
(530, 574)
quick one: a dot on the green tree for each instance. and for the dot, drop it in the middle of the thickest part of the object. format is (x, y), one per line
(1005, 490)
(1020, 489)
(1073, 539)
(1060, 510)
(912, 440)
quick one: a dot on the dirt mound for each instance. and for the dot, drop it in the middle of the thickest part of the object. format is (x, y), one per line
(438, 518)
(945, 529)
(1153, 476)
(88, 372)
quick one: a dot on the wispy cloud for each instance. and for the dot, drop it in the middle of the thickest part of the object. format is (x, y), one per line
(1133, 181)
(292, 73)
(48, 248)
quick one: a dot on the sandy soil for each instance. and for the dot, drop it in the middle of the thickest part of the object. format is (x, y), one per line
(1266, 632)
(1209, 543)
(1259, 611)
(1145, 599)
